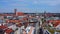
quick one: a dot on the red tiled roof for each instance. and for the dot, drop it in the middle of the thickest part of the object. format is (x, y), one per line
(19, 13)
(3, 27)
(14, 21)
(8, 31)
(56, 22)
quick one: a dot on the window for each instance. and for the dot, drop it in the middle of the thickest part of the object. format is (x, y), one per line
(9, 17)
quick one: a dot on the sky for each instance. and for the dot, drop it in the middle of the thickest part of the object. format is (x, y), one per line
(30, 6)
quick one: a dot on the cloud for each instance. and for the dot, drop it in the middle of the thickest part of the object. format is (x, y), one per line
(39, 2)
(17, 5)
(51, 3)
(3, 1)
(47, 2)
(35, 2)
(27, 5)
